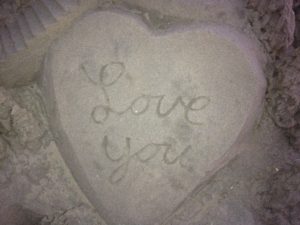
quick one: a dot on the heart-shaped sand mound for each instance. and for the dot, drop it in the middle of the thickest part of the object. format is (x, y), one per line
(144, 117)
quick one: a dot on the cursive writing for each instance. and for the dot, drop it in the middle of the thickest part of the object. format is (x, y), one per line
(112, 72)
(143, 155)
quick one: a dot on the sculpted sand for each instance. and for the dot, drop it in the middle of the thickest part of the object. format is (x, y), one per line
(143, 117)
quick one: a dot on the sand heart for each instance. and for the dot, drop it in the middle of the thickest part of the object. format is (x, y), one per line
(143, 117)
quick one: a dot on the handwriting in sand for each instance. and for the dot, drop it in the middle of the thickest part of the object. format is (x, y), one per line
(109, 75)
(112, 72)
(142, 155)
